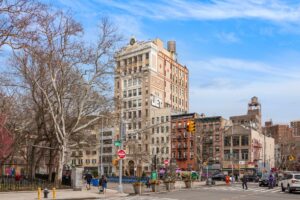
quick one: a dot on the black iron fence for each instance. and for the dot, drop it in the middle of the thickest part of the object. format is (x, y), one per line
(12, 183)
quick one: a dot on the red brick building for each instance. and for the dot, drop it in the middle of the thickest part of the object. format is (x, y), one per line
(183, 143)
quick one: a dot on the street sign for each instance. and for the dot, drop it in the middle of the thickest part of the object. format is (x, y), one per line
(242, 162)
(166, 162)
(153, 175)
(117, 143)
(121, 153)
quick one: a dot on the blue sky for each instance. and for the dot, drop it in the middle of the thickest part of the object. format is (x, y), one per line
(234, 49)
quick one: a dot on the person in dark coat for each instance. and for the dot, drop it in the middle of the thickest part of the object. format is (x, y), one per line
(103, 183)
(88, 178)
(244, 182)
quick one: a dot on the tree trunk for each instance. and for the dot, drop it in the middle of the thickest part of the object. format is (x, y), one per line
(61, 163)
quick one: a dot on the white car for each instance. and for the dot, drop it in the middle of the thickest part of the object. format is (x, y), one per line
(290, 182)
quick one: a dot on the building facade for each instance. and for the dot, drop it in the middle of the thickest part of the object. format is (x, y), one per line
(247, 151)
(209, 135)
(148, 82)
(183, 142)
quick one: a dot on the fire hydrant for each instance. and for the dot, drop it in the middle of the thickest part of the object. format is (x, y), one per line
(46, 193)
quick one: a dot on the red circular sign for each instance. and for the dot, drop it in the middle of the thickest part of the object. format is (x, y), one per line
(121, 153)
(166, 162)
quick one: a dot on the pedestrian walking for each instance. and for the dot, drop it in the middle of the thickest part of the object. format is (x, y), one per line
(271, 181)
(88, 178)
(103, 184)
(244, 182)
(227, 179)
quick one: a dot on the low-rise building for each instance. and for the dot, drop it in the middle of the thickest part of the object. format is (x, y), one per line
(247, 151)
(209, 134)
(183, 142)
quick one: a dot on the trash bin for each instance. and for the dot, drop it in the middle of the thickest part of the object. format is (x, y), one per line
(95, 182)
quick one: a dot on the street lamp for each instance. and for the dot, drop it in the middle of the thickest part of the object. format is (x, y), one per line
(101, 146)
(231, 148)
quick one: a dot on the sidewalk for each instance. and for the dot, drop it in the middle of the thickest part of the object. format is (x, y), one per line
(62, 195)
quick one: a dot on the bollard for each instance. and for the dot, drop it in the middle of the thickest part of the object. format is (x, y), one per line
(39, 193)
(54, 193)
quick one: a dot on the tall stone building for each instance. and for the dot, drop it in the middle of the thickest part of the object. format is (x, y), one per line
(149, 85)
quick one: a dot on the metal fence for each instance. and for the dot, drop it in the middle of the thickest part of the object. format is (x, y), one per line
(10, 183)
(126, 179)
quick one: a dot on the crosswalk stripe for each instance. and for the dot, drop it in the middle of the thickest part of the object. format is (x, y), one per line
(226, 188)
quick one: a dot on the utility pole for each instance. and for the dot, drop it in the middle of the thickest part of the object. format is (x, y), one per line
(101, 155)
(231, 152)
(122, 132)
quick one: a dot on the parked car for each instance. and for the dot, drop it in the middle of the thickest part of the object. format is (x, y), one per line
(264, 180)
(290, 182)
(253, 178)
(218, 177)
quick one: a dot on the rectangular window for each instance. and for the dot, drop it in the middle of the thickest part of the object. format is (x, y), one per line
(244, 154)
(134, 103)
(153, 120)
(162, 140)
(140, 113)
(139, 102)
(129, 115)
(236, 140)
(124, 104)
(129, 93)
(140, 91)
(167, 118)
(236, 154)
(124, 93)
(227, 141)
(162, 119)
(125, 83)
(226, 154)
(134, 92)
(129, 104)
(129, 82)
(245, 140)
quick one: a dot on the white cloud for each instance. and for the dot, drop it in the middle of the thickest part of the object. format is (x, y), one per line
(221, 86)
(279, 100)
(227, 37)
(273, 10)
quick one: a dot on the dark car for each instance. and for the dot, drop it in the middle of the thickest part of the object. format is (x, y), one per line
(253, 178)
(218, 177)
(264, 181)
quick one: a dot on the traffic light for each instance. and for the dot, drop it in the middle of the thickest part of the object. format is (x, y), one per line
(187, 126)
(192, 126)
(115, 162)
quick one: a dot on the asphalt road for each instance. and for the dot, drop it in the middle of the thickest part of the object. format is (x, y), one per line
(234, 192)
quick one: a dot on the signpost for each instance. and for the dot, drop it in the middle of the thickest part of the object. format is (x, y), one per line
(121, 154)
(117, 143)
(166, 162)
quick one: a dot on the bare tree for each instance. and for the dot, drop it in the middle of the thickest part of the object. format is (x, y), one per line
(16, 19)
(68, 81)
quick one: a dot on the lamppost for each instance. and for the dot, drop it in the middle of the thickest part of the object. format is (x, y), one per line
(101, 146)
(231, 148)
